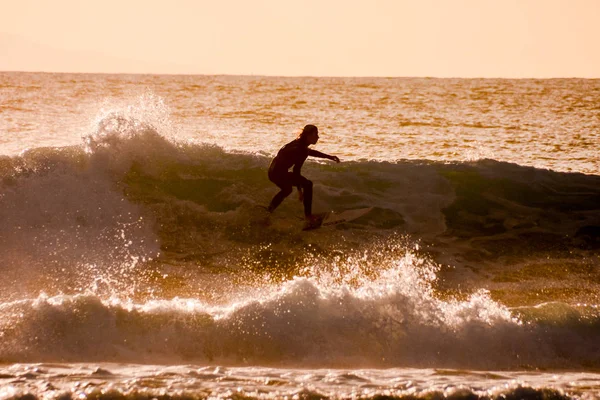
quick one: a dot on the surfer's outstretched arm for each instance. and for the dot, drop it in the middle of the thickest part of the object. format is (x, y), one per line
(315, 153)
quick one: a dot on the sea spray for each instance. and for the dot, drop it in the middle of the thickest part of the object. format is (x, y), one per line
(392, 319)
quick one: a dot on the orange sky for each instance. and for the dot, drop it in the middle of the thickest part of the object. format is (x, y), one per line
(458, 38)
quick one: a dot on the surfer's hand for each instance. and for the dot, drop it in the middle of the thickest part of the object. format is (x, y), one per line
(334, 158)
(300, 195)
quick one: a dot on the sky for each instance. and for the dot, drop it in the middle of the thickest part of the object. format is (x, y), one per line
(437, 38)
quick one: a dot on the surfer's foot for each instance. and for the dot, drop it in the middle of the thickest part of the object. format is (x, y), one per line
(311, 222)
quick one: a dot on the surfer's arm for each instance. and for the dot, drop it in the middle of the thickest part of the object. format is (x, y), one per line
(315, 153)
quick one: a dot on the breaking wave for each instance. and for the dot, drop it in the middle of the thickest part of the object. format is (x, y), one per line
(136, 247)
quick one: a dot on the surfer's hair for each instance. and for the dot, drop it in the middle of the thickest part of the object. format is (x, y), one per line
(308, 129)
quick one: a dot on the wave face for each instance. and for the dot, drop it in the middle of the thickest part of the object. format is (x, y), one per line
(146, 249)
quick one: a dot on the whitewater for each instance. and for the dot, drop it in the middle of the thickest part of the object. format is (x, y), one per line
(136, 260)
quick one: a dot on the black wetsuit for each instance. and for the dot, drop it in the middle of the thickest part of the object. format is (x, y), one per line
(292, 154)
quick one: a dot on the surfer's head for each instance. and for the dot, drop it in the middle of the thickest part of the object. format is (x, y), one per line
(310, 134)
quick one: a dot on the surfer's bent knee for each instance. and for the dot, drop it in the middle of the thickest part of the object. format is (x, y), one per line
(287, 190)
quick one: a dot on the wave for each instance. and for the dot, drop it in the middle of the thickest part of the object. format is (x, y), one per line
(131, 194)
(149, 249)
(391, 319)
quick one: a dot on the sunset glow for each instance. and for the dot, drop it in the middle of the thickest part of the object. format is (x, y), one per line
(463, 38)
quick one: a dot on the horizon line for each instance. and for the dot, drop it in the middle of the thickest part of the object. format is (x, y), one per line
(296, 76)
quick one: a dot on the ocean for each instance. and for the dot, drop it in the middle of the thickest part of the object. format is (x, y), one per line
(137, 263)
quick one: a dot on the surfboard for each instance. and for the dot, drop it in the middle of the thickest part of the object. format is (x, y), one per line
(334, 218)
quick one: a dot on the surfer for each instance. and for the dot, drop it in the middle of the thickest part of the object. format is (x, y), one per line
(291, 155)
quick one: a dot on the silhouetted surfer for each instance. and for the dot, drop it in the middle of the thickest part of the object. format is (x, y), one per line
(291, 155)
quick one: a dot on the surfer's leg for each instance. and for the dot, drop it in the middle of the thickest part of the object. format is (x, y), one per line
(286, 190)
(307, 188)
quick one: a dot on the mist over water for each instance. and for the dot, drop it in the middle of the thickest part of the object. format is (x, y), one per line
(131, 232)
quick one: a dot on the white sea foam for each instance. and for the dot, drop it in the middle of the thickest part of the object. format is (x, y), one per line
(391, 319)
